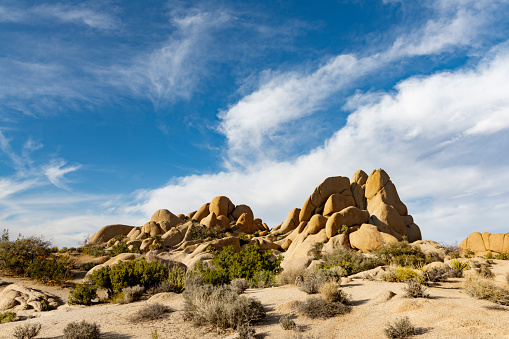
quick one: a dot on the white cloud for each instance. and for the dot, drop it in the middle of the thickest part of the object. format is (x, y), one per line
(56, 170)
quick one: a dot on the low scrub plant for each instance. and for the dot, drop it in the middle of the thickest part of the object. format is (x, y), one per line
(402, 253)
(50, 269)
(27, 331)
(330, 291)
(220, 307)
(133, 293)
(318, 308)
(400, 329)
(483, 289)
(239, 285)
(122, 247)
(400, 274)
(507, 278)
(246, 331)
(437, 274)
(349, 261)
(93, 250)
(82, 330)
(175, 282)
(310, 286)
(484, 271)
(290, 276)
(459, 264)
(8, 317)
(287, 323)
(414, 289)
(468, 253)
(17, 255)
(150, 312)
(316, 250)
(263, 279)
(82, 294)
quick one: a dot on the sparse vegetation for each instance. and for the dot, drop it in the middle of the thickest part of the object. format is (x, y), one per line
(287, 323)
(483, 289)
(8, 317)
(27, 331)
(437, 273)
(82, 294)
(246, 331)
(468, 253)
(150, 312)
(399, 274)
(220, 307)
(310, 286)
(330, 291)
(316, 250)
(349, 261)
(49, 269)
(239, 285)
(484, 271)
(414, 289)
(82, 330)
(133, 293)
(402, 253)
(402, 328)
(93, 250)
(318, 308)
(120, 248)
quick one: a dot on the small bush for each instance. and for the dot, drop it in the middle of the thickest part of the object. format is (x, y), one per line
(468, 253)
(82, 330)
(82, 294)
(132, 294)
(150, 312)
(501, 256)
(287, 323)
(459, 264)
(289, 276)
(49, 269)
(198, 232)
(330, 291)
(329, 275)
(310, 286)
(483, 289)
(316, 250)
(484, 271)
(399, 274)
(436, 274)
(401, 253)
(27, 331)
(17, 255)
(8, 317)
(122, 247)
(239, 285)
(507, 278)
(246, 331)
(349, 261)
(264, 279)
(402, 328)
(220, 307)
(319, 308)
(414, 289)
(94, 251)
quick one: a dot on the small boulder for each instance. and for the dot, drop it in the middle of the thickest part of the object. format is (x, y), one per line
(368, 238)
(349, 216)
(291, 222)
(202, 212)
(221, 205)
(316, 223)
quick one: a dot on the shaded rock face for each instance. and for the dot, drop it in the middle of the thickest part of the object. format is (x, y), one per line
(486, 242)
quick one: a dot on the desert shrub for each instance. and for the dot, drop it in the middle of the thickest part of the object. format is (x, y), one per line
(27, 331)
(17, 255)
(228, 265)
(289, 276)
(95, 251)
(200, 232)
(49, 269)
(220, 307)
(287, 323)
(468, 253)
(173, 283)
(325, 275)
(310, 286)
(401, 253)
(7, 317)
(501, 256)
(316, 250)
(129, 273)
(82, 330)
(154, 335)
(484, 271)
(246, 331)
(399, 274)
(459, 264)
(452, 249)
(330, 291)
(483, 289)
(133, 293)
(239, 285)
(264, 279)
(402, 328)
(82, 294)
(349, 261)
(319, 308)
(414, 289)
(436, 274)
(150, 312)
(122, 247)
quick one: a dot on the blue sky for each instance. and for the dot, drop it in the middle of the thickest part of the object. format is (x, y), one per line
(110, 110)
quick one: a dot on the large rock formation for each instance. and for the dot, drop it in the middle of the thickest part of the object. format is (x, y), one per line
(486, 242)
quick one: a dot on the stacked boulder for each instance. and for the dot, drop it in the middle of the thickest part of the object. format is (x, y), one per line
(18, 298)
(363, 213)
(486, 242)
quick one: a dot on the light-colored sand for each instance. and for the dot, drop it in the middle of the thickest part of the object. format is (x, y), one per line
(448, 313)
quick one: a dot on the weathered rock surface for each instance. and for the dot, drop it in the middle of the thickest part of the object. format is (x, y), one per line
(368, 238)
(108, 232)
(486, 242)
(18, 297)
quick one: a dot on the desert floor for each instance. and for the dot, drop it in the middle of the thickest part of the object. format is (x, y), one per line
(448, 313)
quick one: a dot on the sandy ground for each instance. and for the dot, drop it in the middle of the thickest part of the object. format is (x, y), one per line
(448, 313)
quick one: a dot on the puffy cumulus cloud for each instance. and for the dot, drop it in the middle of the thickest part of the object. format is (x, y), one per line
(422, 134)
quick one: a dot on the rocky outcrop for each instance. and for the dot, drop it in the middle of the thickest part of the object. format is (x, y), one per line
(108, 232)
(18, 298)
(486, 242)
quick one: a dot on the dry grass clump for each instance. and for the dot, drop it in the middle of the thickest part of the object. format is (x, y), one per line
(82, 330)
(150, 312)
(414, 289)
(481, 288)
(132, 294)
(484, 271)
(323, 309)
(27, 331)
(239, 285)
(220, 307)
(331, 292)
(402, 328)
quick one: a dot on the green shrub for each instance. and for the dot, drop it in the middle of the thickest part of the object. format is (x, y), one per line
(82, 330)
(150, 312)
(468, 253)
(399, 274)
(220, 307)
(16, 256)
(501, 256)
(122, 247)
(414, 289)
(316, 250)
(319, 308)
(49, 269)
(198, 232)
(173, 283)
(82, 294)
(7, 317)
(349, 261)
(264, 279)
(483, 289)
(229, 265)
(401, 253)
(27, 331)
(129, 273)
(402, 328)
(95, 251)
(459, 264)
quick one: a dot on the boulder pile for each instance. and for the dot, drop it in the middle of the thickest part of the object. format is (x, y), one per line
(486, 242)
(17, 298)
